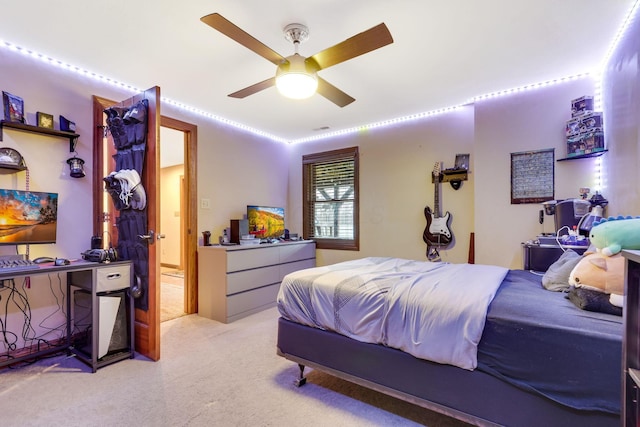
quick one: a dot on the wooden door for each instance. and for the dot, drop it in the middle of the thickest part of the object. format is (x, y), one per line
(109, 217)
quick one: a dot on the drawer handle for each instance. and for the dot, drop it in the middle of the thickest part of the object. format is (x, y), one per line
(113, 276)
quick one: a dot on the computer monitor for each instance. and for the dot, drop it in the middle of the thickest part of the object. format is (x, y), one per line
(28, 217)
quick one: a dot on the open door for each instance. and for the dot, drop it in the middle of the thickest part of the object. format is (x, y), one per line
(131, 226)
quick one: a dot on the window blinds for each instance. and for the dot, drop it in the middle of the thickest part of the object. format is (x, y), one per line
(331, 198)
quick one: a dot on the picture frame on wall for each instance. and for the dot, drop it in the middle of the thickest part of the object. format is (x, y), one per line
(45, 120)
(532, 176)
(13, 107)
(462, 161)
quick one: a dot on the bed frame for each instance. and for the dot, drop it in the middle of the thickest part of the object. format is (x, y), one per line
(471, 396)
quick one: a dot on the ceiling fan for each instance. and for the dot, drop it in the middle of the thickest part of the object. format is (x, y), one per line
(297, 67)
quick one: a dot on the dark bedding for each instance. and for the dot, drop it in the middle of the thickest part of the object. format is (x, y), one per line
(540, 341)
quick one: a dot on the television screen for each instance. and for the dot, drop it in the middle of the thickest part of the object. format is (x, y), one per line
(265, 222)
(28, 217)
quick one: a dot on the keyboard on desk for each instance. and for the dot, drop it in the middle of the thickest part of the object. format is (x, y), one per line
(17, 265)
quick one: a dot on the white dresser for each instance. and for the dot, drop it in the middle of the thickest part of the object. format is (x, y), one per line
(236, 281)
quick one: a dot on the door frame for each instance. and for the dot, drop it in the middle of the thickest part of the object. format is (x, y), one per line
(190, 225)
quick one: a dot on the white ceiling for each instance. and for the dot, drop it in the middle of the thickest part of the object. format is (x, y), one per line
(444, 53)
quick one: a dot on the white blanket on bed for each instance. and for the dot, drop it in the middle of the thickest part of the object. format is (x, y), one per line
(432, 310)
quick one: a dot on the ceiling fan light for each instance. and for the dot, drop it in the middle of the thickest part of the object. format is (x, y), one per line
(297, 85)
(295, 80)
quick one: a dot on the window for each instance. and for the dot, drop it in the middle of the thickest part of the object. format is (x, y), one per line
(330, 199)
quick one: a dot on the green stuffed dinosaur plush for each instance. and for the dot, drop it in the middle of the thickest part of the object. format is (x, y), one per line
(611, 235)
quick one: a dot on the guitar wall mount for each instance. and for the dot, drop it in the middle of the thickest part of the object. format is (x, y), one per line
(458, 173)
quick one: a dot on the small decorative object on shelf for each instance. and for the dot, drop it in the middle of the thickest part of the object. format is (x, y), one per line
(67, 125)
(584, 131)
(11, 159)
(462, 161)
(13, 107)
(45, 120)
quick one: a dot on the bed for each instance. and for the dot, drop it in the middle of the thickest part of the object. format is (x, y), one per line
(533, 358)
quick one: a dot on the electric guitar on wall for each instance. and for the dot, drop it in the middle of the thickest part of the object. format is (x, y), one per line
(437, 232)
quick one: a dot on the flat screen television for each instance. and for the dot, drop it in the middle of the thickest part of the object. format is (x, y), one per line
(28, 217)
(265, 222)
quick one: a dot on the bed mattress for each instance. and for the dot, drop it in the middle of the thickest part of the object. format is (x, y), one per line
(540, 341)
(431, 310)
(537, 340)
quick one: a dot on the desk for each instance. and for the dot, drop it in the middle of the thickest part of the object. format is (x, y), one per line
(97, 280)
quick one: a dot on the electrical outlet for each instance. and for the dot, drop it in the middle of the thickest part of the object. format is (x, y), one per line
(205, 204)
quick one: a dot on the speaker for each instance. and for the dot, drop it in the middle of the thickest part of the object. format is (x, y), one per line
(239, 228)
(113, 331)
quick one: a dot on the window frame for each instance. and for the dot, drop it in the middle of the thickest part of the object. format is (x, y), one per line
(351, 154)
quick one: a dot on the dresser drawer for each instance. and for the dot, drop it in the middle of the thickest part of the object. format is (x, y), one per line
(295, 266)
(297, 252)
(246, 303)
(244, 259)
(241, 281)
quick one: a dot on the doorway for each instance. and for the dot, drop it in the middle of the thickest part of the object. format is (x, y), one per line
(181, 210)
(172, 262)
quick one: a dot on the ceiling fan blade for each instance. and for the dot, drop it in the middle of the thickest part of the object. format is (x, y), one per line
(250, 90)
(333, 94)
(229, 29)
(371, 39)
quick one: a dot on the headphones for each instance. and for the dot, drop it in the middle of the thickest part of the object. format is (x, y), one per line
(100, 255)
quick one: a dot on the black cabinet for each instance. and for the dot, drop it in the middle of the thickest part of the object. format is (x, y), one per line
(538, 257)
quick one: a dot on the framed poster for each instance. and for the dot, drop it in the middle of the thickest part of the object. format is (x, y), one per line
(532, 176)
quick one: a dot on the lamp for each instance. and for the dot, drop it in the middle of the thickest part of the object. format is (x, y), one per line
(296, 79)
(76, 167)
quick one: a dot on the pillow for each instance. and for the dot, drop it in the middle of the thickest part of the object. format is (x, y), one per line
(590, 300)
(556, 278)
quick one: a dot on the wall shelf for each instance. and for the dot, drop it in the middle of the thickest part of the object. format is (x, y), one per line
(73, 137)
(583, 156)
(451, 175)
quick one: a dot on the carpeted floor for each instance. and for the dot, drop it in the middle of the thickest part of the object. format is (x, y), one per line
(171, 295)
(171, 301)
(209, 374)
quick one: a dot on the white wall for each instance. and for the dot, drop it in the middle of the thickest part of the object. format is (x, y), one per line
(396, 165)
(525, 121)
(622, 122)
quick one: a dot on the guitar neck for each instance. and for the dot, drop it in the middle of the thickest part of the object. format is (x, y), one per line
(436, 196)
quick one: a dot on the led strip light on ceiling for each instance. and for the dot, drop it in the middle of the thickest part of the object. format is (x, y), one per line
(358, 129)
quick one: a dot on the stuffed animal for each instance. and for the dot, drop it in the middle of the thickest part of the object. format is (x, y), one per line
(611, 235)
(601, 273)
